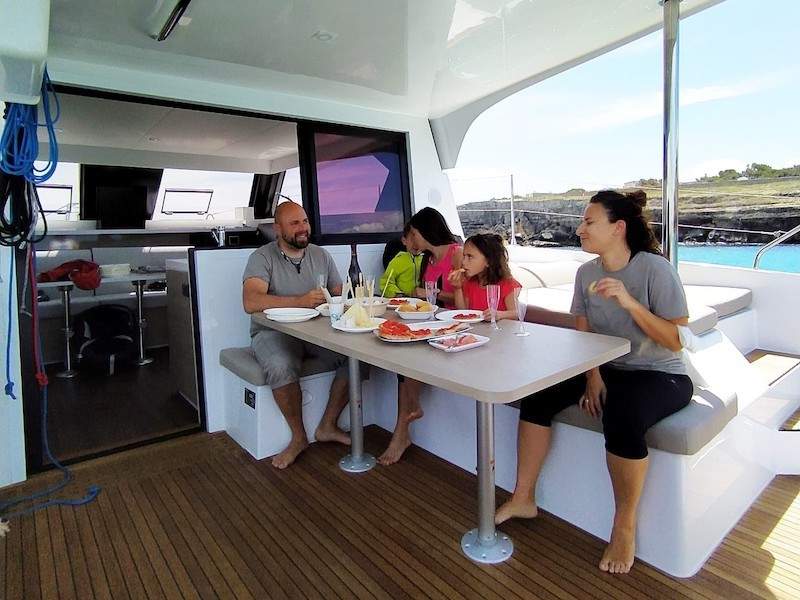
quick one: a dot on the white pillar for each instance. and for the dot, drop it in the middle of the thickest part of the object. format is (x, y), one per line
(669, 186)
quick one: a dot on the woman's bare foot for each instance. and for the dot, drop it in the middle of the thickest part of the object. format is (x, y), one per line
(331, 434)
(289, 454)
(515, 509)
(618, 556)
(401, 440)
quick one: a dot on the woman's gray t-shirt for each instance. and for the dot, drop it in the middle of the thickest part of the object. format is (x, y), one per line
(655, 284)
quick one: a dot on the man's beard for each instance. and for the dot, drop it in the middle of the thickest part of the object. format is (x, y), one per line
(294, 243)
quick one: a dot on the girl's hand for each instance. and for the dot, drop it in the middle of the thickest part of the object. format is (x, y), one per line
(608, 288)
(595, 395)
(456, 278)
(487, 315)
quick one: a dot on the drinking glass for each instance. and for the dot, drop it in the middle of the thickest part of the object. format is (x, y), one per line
(431, 291)
(493, 300)
(522, 308)
(336, 309)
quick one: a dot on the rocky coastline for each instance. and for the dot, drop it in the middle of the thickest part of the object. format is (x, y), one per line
(554, 222)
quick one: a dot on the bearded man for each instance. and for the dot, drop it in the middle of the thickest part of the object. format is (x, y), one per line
(284, 273)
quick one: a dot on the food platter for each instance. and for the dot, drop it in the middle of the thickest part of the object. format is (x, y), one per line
(459, 342)
(401, 333)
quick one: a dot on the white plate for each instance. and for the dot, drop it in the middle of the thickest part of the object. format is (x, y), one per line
(450, 315)
(437, 343)
(339, 325)
(290, 315)
(428, 325)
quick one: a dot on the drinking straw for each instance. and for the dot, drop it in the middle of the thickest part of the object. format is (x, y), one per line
(385, 285)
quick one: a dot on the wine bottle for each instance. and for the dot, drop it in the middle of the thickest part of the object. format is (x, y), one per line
(355, 270)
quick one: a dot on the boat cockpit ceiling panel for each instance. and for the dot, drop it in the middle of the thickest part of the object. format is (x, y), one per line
(116, 132)
(442, 60)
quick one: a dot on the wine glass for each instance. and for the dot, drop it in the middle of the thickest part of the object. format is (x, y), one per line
(493, 300)
(522, 308)
(431, 291)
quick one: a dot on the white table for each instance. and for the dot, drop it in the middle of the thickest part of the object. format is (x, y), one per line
(504, 370)
(65, 287)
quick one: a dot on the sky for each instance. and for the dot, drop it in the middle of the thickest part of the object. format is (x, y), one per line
(600, 125)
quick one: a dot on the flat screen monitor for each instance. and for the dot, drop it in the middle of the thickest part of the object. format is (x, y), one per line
(362, 192)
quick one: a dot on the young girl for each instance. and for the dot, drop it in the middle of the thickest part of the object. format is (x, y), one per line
(485, 262)
(402, 267)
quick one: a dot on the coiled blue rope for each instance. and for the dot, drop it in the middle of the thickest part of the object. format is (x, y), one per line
(19, 144)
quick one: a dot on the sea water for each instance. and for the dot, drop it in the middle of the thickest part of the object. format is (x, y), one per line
(780, 258)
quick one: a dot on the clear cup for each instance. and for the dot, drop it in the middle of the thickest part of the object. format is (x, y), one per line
(431, 291)
(336, 310)
(522, 308)
(493, 300)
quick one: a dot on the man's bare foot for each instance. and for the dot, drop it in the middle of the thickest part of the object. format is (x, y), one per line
(515, 509)
(331, 434)
(618, 556)
(415, 414)
(289, 454)
(394, 451)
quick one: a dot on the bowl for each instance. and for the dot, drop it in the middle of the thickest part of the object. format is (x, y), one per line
(418, 316)
(378, 304)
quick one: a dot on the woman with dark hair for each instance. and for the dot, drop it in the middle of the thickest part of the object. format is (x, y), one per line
(428, 233)
(629, 291)
(442, 252)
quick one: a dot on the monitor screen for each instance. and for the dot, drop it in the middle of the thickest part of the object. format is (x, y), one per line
(361, 183)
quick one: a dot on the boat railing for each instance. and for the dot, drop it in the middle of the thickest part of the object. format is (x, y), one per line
(780, 238)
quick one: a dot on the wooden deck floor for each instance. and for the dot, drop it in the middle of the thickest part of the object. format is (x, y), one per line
(196, 517)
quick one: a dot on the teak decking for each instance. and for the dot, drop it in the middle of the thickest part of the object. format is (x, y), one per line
(196, 517)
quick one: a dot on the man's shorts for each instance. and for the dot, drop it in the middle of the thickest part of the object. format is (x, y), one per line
(281, 357)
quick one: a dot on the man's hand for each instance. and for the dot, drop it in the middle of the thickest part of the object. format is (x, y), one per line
(312, 298)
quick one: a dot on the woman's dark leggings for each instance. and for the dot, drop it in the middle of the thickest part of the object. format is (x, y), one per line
(635, 401)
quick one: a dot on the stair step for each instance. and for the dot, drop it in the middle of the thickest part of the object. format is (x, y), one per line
(770, 365)
(792, 423)
(771, 411)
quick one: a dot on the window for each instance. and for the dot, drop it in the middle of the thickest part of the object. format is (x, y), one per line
(186, 202)
(59, 195)
(359, 185)
(55, 198)
(201, 195)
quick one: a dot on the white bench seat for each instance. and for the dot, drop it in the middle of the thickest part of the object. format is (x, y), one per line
(252, 418)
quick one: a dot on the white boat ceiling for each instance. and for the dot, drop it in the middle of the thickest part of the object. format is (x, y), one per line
(446, 60)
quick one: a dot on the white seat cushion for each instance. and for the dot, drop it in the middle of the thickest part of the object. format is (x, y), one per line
(725, 300)
(243, 363)
(684, 432)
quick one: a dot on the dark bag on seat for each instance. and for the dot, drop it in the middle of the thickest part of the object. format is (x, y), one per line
(104, 336)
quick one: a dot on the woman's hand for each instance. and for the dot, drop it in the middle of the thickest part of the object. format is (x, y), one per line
(608, 288)
(456, 278)
(595, 395)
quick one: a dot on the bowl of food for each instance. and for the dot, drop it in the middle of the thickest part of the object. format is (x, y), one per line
(418, 311)
(377, 303)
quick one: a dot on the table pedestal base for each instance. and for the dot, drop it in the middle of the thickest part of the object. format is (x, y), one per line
(350, 464)
(357, 461)
(66, 374)
(499, 550)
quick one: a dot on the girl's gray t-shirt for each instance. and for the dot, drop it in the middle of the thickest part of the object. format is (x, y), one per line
(653, 281)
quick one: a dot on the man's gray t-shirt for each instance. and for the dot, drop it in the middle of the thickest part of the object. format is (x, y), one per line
(269, 264)
(652, 280)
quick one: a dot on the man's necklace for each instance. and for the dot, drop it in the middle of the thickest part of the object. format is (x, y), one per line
(298, 263)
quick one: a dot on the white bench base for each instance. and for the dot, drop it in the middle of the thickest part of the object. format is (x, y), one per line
(689, 503)
(262, 430)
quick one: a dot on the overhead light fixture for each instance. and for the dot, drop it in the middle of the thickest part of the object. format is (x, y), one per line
(163, 27)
